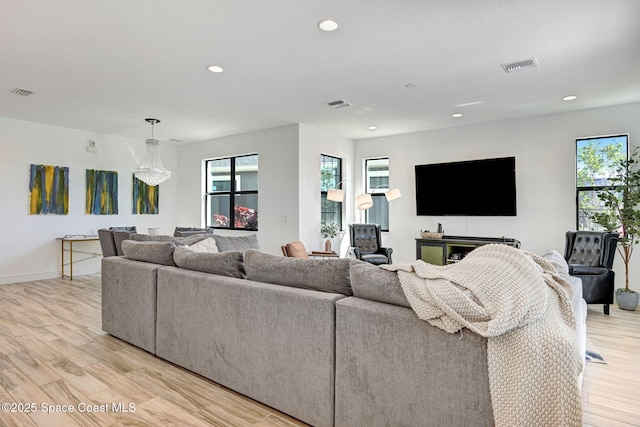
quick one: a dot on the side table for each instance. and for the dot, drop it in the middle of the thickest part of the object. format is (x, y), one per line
(70, 240)
(323, 254)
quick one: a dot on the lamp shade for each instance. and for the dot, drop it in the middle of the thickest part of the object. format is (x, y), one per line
(364, 201)
(393, 194)
(335, 195)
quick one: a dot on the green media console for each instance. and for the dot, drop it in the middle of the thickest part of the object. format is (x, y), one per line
(450, 249)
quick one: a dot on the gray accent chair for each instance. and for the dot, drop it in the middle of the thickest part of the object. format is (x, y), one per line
(111, 239)
(590, 257)
(190, 231)
(107, 243)
(366, 242)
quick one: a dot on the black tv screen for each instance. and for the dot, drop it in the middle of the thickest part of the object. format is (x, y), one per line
(471, 188)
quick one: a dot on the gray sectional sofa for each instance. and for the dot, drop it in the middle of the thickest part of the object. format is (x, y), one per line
(331, 342)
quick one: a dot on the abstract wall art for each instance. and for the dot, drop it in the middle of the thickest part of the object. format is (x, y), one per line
(144, 198)
(48, 190)
(102, 192)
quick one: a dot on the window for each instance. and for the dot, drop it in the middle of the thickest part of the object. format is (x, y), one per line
(596, 160)
(330, 177)
(231, 198)
(377, 177)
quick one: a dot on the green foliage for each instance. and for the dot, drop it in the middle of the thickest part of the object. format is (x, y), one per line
(327, 178)
(329, 231)
(595, 160)
(596, 163)
(621, 201)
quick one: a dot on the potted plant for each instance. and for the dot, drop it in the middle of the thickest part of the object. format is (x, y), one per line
(329, 231)
(621, 215)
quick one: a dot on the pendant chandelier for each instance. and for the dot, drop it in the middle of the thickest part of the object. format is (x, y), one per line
(152, 172)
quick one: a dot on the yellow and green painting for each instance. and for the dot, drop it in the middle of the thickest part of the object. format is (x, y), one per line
(48, 190)
(102, 192)
(144, 198)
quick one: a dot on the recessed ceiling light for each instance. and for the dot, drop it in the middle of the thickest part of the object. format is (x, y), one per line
(457, 115)
(372, 127)
(570, 98)
(328, 25)
(215, 69)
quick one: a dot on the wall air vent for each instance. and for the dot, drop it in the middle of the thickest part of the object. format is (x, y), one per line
(339, 103)
(526, 64)
(21, 92)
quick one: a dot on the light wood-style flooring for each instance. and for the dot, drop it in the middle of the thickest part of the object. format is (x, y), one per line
(53, 352)
(611, 392)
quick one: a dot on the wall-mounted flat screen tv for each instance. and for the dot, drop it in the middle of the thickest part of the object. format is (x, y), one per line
(471, 188)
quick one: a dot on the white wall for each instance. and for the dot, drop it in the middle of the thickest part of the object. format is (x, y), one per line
(544, 148)
(289, 176)
(30, 250)
(313, 143)
(278, 182)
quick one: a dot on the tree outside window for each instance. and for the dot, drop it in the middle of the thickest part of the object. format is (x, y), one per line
(377, 182)
(596, 161)
(231, 198)
(330, 177)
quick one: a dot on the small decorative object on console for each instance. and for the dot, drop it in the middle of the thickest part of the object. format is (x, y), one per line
(426, 234)
(329, 231)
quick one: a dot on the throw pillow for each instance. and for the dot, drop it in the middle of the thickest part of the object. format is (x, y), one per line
(206, 245)
(557, 260)
(325, 275)
(236, 243)
(155, 252)
(376, 284)
(222, 264)
(189, 240)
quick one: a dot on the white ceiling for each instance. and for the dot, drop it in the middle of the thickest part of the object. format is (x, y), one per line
(105, 65)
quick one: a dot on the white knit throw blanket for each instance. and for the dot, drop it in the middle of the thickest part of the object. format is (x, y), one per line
(516, 300)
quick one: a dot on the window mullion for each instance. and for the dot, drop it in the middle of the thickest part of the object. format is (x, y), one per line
(232, 195)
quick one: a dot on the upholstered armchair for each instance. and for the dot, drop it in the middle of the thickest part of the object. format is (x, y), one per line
(366, 242)
(590, 257)
(295, 250)
(190, 231)
(111, 239)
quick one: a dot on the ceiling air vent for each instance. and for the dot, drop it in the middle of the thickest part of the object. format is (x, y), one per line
(526, 64)
(339, 103)
(21, 92)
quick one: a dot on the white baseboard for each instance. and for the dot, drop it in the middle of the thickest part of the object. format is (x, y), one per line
(30, 277)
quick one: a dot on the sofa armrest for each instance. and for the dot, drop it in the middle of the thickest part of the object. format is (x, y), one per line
(385, 251)
(576, 269)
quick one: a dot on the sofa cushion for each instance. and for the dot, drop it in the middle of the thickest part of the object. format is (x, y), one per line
(189, 240)
(557, 260)
(236, 243)
(371, 282)
(325, 275)
(222, 264)
(155, 252)
(206, 245)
